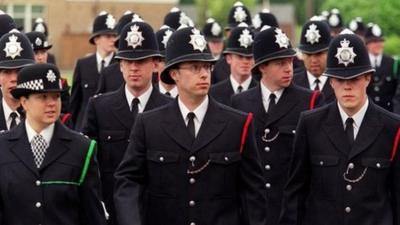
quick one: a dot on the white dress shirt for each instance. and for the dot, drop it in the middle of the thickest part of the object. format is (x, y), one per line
(7, 114)
(107, 60)
(143, 99)
(245, 84)
(46, 133)
(173, 91)
(311, 81)
(199, 112)
(265, 92)
(358, 117)
(376, 60)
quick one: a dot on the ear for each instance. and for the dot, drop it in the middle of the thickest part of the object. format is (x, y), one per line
(174, 74)
(228, 59)
(262, 67)
(23, 100)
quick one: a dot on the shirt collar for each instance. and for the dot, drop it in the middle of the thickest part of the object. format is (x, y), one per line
(200, 111)
(173, 91)
(245, 84)
(311, 79)
(7, 110)
(107, 59)
(357, 117)
(266, 92)
(143, 98)
(373, 57)
(47, 133)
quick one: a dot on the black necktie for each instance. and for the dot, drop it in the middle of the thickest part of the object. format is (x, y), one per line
(135, 107)
(239, 89)
(317, 81)
(190, 125)
(13, 116)
(167, 93)
(349, 130)
(102, 65)
(272, 102)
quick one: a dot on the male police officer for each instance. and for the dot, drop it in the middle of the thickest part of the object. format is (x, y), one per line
(345, 168)
(314, 43)
(239, 56)
(214, 37)
(110, 116)
(48, 172)
(17, 53)
(193, 161)
(276, 104)
(87, 69)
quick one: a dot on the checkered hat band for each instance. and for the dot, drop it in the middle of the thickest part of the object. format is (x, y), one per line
(35, 85)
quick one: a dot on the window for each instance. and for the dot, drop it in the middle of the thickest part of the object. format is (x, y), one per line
(24, 14)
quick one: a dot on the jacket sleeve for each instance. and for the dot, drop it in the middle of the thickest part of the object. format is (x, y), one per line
(90, 126)
(76, 94)
(130, 178)
(252, 189)
(296, 189)
(90, 194)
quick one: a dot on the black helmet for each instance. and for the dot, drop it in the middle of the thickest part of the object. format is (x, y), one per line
(38, 40)
(315, 37)
(335, 20)
(6, 24)
(40, 26)
(104, 23)
(238, 14)
(16, 51)
(185, 44)
(347, 57)
(240, 41)
(175, 18)
(271, 43)
(357, 26)
(137, 41)
(265, 17)
(38, 78)
(163, 36)
(212, 30)
(373, 33)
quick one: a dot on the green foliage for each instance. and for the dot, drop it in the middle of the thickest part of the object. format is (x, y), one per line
(392, 45)
(382, 12)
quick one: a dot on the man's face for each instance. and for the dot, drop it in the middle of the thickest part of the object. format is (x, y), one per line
(42, 109)
(351, 94)
(192, 78)
(375, 47)
(41, 56)
(240, 65)
(277, 74)
(216, 47)
(8, 82)
(138, 73)
(105, 42)
(315, 63)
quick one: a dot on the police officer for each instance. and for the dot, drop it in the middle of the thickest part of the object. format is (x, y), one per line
(7, 24)
(163, 35)
(111, 77)
(358, 27)
(17, 53)
(382, 88)
(110, 116)
(87, 69)
(345, 167)
(276, 104)
(314, 42)
(49, 172)
(335, 22)
(193, 161)
(41, 26)
(239, 56)
(176, 18)
(214, 37)
(238, 14)
(265, 17)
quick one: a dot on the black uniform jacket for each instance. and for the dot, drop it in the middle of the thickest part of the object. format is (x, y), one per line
(331, 183)
(301, 80)
(111, 79)
(221, 70)
(275, 132)
(84, 85)
(223, 91)
(3, 124)
(25, 199)
(165, 178)
(109, 121)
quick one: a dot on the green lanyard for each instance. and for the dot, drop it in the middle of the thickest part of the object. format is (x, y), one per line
(84, 170)
(395, 66)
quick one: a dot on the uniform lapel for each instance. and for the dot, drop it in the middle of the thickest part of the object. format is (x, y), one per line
(333, 128)
(286, 102)
(21, 147)
(3, 125)
(304, 82)
(174, 126)
(121, 110)
(256, 103)
(213, 124)
(153, 100)
(58, 145)
(368, 131)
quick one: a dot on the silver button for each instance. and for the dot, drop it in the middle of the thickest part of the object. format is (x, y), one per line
(377, 98)
(226, 158)
(351, 166)
(376, 78)
(267, 167)
(349, 187)
(86, 85)
(267, 131)
(161, 159)
(192, 203)
(108, 137)
(38, 204)
(192, 158)
(293, 131)
(268, 185)
(267, 149)
(388, 78)
(38, 183)
(192, 180)
(376, 88)
(378, 165)
(321, 163)
(192, 223)
(347, 209)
